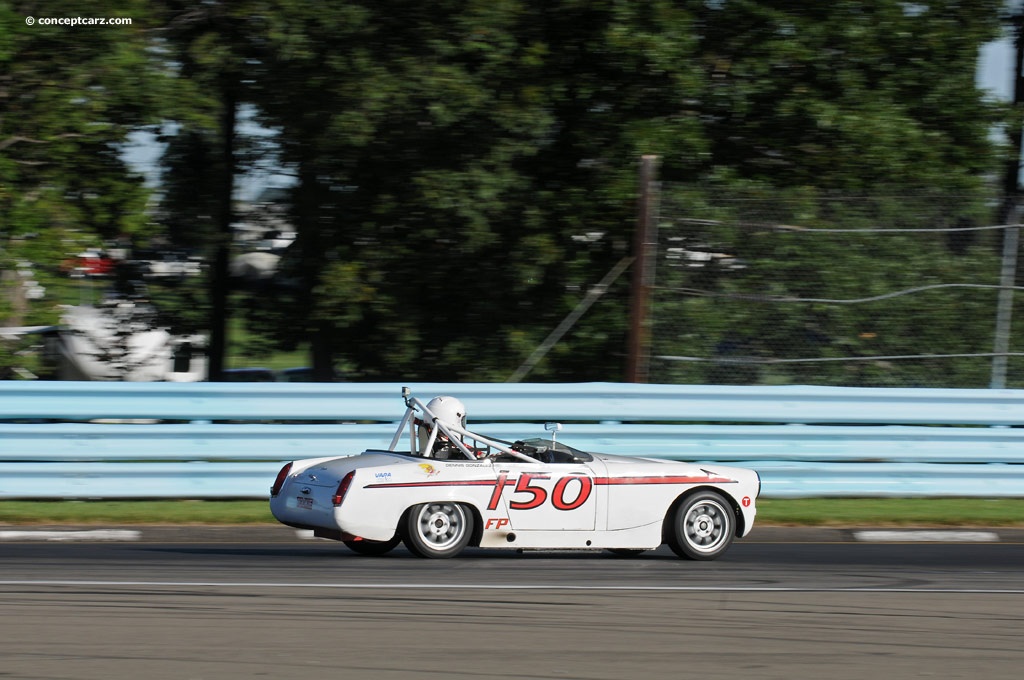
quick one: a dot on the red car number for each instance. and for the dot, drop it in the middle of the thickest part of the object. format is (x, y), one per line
(559, 497)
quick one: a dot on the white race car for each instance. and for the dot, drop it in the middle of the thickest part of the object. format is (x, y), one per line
(448, 488)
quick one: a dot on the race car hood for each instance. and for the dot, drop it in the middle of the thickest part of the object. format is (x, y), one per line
(658, 466)
(612, 459)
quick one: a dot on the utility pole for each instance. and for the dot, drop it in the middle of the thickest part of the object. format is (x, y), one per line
(645, 249)
(219, 282)
(1011, 218)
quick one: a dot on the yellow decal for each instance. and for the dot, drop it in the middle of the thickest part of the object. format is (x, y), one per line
(429, 469)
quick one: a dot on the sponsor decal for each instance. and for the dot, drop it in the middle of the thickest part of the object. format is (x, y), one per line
(429, 469)
(496, 523)
(746, 501)
(383, 476)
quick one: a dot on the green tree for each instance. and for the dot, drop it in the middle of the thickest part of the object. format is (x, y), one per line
(806, 108)
(852, 96)
(208, 43)
(467, 169)
(452, 159)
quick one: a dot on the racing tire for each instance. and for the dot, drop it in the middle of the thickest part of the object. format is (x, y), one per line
(437, 530)
(373, 548)
(702, 527)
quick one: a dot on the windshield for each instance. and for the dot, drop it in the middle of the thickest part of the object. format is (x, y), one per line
(548, 451)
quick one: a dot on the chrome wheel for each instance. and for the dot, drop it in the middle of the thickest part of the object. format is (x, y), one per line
(438, 529)
(703, 527)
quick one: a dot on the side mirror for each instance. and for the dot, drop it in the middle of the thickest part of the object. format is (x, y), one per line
(553, 428)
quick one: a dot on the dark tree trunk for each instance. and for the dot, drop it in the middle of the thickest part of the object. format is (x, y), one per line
(219, 283)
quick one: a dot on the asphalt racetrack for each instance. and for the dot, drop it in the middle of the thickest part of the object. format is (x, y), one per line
(793, 607)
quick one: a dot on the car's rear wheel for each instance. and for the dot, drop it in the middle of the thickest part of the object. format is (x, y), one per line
(373, 548)
(438, 530)
(702, 527)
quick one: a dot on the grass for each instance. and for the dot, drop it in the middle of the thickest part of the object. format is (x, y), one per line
(821, 512)
(870, 512)
(135, 512)
(239, 357)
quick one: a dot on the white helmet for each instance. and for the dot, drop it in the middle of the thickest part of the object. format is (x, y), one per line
(449, 411)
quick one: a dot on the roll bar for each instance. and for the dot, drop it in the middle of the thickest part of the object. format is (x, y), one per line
(455, 433)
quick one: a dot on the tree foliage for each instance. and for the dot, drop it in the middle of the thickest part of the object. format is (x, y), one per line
(466, 170)
(453, 161)
(851, 96)
(848, 115)
(450, 160)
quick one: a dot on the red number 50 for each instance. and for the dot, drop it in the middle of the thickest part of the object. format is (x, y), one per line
(540, 495)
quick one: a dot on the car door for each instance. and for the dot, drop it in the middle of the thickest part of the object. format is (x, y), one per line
(546, 496)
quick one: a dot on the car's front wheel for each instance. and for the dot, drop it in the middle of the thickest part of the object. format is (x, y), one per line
(373, 548)
(438, 529)
(702, 526)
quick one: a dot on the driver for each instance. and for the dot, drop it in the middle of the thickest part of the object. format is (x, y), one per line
(449, 411)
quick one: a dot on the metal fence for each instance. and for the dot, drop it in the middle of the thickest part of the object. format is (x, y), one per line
(762, 288)
(227, 440)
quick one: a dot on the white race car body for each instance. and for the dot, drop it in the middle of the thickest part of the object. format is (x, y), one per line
(531, 494)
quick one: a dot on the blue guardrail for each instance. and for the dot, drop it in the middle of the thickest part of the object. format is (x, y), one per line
(227, 440)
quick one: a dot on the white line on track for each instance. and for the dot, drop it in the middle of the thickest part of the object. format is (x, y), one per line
(929, 536)
(507, 586)
(85, 535)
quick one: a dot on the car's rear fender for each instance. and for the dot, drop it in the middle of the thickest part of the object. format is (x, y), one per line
(370, 516)
(478, 524)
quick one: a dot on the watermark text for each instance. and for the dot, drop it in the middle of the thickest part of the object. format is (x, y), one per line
(79, 21)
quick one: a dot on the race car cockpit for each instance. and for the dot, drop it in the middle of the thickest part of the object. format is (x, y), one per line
(438, 430)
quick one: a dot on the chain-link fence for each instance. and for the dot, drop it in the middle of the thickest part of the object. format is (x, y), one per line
(764, 288)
